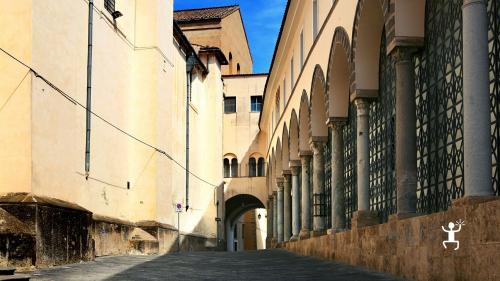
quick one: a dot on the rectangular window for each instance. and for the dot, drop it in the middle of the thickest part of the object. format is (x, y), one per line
(229, 104)
(315, 19)
(109, 5)
(301, 50)
(255, 103)
(278, 104)
(292, 78)
(284, 91)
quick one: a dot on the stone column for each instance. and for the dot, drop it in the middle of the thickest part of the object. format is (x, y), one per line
(305, 159)
(269, 221)
(363, 154)
(476, 100)
(275, 217)
(318, 185)
(406, 132)
(363, 216)
(295, 167)
(287, 206)
(338, 200)
(279, 182)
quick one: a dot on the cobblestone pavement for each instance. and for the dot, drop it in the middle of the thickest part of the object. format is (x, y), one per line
(252, 265)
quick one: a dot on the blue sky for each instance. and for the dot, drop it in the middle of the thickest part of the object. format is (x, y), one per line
(262, 22)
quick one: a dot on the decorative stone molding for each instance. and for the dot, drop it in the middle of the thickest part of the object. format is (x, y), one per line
(337, 122)
(362, 106)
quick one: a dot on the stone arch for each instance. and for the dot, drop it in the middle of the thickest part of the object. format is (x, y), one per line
(369, 22)
(339, 72)
(304, 123)
(318, 117)
(230, 155)
(237, 206)
(285, 151)
(294, 136)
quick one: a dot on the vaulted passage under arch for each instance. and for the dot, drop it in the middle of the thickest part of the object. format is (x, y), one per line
(236, 207)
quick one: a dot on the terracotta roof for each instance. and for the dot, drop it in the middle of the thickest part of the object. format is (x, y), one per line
(213, 13)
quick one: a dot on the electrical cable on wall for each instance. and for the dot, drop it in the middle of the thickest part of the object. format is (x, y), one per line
(75, 102)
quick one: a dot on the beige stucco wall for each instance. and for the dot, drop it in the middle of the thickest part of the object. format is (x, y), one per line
(15, 97)
(242, 136)
(138, 84)
(234, 40)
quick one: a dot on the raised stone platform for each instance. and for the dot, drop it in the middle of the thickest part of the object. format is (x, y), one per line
(412, 247)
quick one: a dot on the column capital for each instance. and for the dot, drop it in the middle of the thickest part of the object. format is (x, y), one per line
(403, 54)
(305, 153)
(305, 159)
(294, 163)
(336, 122)
(317, 146)
(286, 177)
(295, 167)
(279, 183)
(295, 170)
(362, 106)
(473, 2)
(285, 173)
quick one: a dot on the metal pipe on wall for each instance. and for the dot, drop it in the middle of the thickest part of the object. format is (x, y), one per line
(89, 89)
(190, 63)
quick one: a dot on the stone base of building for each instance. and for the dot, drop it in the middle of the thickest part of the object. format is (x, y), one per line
(41, 232)
(411, 247)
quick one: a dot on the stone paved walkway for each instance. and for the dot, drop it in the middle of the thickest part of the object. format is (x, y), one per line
(252, 265)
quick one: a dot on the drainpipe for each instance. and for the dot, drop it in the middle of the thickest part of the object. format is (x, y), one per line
(89, 89)
(191, 61)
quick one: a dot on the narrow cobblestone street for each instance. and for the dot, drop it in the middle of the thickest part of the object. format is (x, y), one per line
(251, 265)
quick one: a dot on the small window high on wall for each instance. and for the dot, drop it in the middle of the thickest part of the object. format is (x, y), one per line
(255, 103)
(109, 5)
(260, 167)
(234, 168)
(252, 167)
(227, 168)
(229, 104)
(230, 168)
(315, 19)
(301, 50)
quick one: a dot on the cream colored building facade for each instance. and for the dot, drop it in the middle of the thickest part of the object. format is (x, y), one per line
(244, 146)
(243, 143)
(138, 132)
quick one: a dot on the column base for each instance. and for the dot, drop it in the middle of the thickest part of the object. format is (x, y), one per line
(316, 233)
(304, 234)
(332, 231)
(472, 200)
(274, 243)
(364, 218)
(294, 238)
